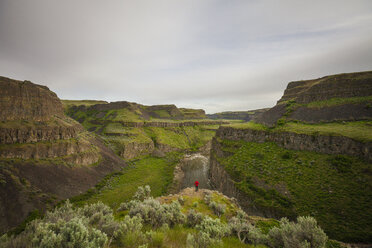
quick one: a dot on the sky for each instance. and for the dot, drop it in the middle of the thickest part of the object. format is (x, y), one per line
(218, 55)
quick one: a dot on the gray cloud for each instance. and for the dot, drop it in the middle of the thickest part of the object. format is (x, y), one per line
(212, 54)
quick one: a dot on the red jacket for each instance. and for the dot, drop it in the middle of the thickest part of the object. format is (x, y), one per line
(196, 183)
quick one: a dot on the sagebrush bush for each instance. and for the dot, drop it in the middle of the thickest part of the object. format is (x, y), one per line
(240, 227)
(181, 200)
(193, 218)
(90, 226)
(304, 233)
(210, 233)
(156, 214)
(142, 193)
(213, 227)
(201, 240)
(207, 197)
(218, 208)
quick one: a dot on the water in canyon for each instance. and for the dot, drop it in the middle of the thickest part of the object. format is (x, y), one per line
(195, 167)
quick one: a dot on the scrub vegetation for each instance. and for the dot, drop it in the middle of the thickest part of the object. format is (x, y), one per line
(163, 222)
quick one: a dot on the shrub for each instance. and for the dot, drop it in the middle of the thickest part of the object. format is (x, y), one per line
(210, 233)
(89, 226)
(200, 240)
(101, 217)
(208, 198)
(73, 233)
(240, 228)
(341, 163)
(142, 193)
(218, 209)
(213, 227)
(255, 236)
(156, 214)
(193, 218)
(181, 200)
(129, 233)
(304, 233)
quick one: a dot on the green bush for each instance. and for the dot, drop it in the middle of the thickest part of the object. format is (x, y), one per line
(156, 214)
(341, 163)
(193, 218)
(142, 193)
(129, 233)
(304, 233)
(218, 208)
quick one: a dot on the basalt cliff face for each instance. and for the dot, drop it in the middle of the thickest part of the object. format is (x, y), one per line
(27, 101)
(238, 115)
(44, 155)
(343, 97)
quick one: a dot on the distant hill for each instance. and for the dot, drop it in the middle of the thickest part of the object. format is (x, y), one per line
(342, 97)
(237, 115)
(134, 130)
(133, 111)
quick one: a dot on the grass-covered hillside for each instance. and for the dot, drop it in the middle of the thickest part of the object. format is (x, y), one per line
(357, 130)
(331, 115)
(134, 130)
(189, 219)
(335, 189)
(130, 111)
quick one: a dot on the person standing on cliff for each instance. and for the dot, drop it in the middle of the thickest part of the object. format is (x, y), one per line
(196, 186)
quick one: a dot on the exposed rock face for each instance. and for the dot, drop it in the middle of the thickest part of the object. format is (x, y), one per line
(134, 149)
(26, 185)
(159, 124)
(294, 104)
(335, 86)
(35, 134)
(238, 115)
(44, 156)
(27, 101)
(345, 112)
(142, 112)
(294, 141)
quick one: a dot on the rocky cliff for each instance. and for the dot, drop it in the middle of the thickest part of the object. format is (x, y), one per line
(343, 97)
(27, 101)
(238, 115)
(134, 111)
(327, 144)
(44, 155)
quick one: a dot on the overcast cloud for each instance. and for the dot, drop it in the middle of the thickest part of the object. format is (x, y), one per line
(211, 54)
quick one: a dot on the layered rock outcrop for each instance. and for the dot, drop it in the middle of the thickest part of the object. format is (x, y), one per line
(318, 143)
(44, 156)
(238, 115)
(343, 97)
(335, 86)
(27, 101)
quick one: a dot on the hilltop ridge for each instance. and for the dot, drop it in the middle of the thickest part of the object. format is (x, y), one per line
(342, 97)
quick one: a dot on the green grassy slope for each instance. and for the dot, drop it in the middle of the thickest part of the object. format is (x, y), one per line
(358, 130)
(336, 190)
(120, 186)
